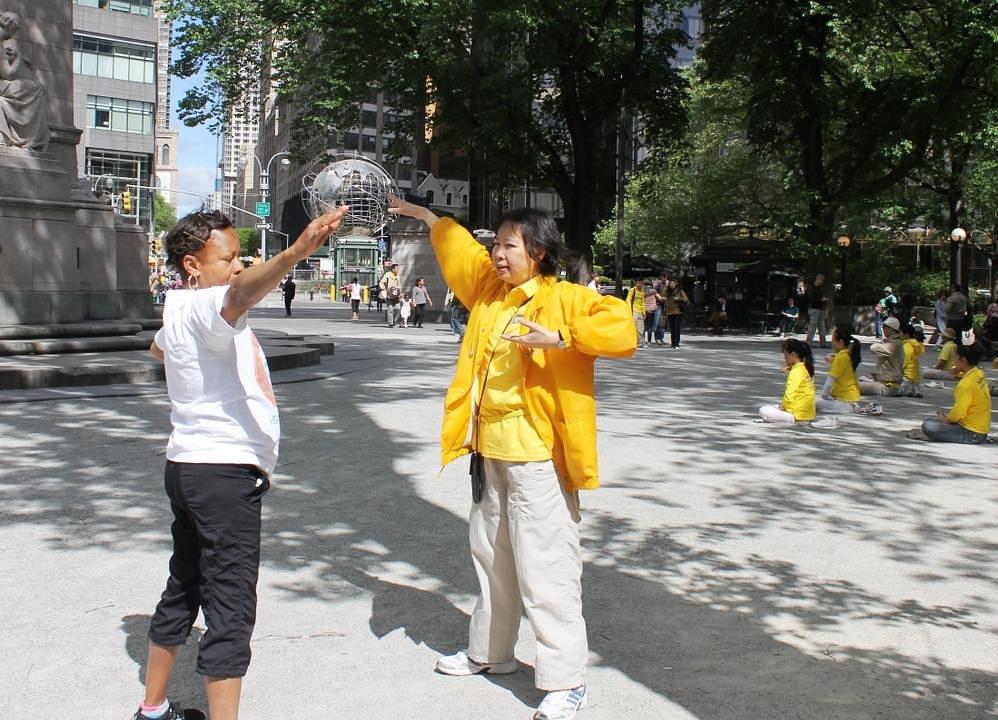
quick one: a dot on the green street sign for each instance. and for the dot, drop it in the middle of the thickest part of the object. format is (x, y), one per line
(263, 209)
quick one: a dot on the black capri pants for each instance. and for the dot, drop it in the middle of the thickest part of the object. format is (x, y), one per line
(215, 562)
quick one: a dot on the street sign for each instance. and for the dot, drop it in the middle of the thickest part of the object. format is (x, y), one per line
(263, 209)
(264, 226)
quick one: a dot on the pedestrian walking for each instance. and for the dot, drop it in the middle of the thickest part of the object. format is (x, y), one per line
(391, 285)
(636, 302)
(956, 313)
(420, 299)
(939, 317)
(288, 290)
(405, 310)
(817, 321)
(675, 305)
(356, 291)
(220, 456)
(525, 392)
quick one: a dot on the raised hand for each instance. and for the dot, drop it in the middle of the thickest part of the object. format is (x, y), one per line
(539, 337)
(318, 231)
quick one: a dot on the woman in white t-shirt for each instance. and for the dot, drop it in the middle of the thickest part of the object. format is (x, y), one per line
(220, 455)
(355, 295)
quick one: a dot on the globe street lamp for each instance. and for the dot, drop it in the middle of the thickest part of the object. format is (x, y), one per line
(844, 242)
(265, 192)
(958, 236)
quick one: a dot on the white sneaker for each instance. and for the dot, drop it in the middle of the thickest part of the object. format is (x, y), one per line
(460, 664)
(562, 704)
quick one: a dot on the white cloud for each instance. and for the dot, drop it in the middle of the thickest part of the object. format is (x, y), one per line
(196, 179)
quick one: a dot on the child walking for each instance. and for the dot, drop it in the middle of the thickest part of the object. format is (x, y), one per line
(221, 453)
(405, 310)
(798, 403)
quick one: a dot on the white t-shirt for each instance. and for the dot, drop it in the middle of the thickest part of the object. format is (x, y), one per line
(223, 406)
(355, 289)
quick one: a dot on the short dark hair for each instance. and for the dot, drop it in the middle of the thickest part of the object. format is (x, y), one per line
(540, 235)
(970, 353)
(190, 234)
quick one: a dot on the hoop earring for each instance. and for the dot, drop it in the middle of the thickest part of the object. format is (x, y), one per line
(195, 282)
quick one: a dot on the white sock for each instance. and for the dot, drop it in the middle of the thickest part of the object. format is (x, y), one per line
(156, 712)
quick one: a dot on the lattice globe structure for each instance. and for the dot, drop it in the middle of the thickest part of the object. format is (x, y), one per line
(351, 180)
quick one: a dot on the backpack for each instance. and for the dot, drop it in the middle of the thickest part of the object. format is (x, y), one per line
(394, 292)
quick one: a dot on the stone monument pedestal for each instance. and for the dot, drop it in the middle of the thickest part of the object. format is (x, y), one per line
(65, 256)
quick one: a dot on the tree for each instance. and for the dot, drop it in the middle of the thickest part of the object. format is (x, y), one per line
(850, 94)
(696, 190)
(532, 91)
(164, 216)
(249, 241)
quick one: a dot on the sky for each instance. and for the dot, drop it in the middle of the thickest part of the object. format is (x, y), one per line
(196, 160)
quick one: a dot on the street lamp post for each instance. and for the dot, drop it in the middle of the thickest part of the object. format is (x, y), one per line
(844, 242)
(958, 235)
(265, 192)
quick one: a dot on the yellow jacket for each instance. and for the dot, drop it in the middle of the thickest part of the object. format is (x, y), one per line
(557, 384)
(972, 402)
(798, 393)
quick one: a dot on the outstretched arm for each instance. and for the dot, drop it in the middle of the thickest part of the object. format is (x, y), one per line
(252, 285)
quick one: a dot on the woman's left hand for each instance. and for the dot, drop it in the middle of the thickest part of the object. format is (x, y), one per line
(539, 337)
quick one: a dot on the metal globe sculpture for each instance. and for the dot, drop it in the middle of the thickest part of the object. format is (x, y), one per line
(351, 180)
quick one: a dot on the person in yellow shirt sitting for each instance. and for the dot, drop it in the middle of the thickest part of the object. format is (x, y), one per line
(944, 368)
(798, 403)
(840, 393)
(911, 339)
(969, 420)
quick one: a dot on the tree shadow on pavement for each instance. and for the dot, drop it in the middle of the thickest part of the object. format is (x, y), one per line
(692, 613)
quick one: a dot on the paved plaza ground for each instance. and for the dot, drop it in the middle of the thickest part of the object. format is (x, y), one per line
(734, 571)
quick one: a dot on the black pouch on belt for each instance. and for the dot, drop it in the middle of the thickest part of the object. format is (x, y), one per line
(477, 472)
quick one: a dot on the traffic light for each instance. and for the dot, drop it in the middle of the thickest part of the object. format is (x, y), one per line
(126, 202)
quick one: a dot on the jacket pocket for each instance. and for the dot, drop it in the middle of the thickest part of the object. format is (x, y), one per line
(576, 444)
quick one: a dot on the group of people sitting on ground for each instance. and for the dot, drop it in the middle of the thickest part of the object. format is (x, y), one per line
(897, 373)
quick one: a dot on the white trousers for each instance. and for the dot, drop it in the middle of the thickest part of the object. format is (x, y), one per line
(524, 538)
(833, 406)
(773, 414)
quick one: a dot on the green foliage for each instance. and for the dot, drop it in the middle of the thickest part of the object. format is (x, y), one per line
(164, 216)
(850, 95)
(711, 185)
(249, 241)
(533, 91)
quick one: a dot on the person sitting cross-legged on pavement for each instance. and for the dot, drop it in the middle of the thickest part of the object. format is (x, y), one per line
(840, 393)
(521, 404)
(969, 420)
(889, 373)
(911, 340)
(798, 404)
(945, 367)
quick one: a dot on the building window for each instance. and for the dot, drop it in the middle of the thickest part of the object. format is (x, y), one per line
(164, 157)
(135, 7)
(122, 115)
(464, 199)
(429, 197)
(449, 198)
(114, 60)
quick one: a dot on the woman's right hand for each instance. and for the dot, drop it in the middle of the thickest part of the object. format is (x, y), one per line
(398, 206)
(317, 232)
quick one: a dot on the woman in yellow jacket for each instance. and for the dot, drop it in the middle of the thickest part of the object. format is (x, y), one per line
(521, 402)
(798, 403)
(969, 420)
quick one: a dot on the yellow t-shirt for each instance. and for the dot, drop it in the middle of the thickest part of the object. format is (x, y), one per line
(845, 387)
(798, 395)
(947, 355)
(972, 402)
(912, 352)
(504, 429)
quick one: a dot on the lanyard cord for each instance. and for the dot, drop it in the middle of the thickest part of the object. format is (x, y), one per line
(485, 382)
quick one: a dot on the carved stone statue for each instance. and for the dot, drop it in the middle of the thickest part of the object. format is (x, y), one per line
(23, 105)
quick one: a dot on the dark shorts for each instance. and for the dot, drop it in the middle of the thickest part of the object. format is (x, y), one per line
(355, 305)
(215, 562)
